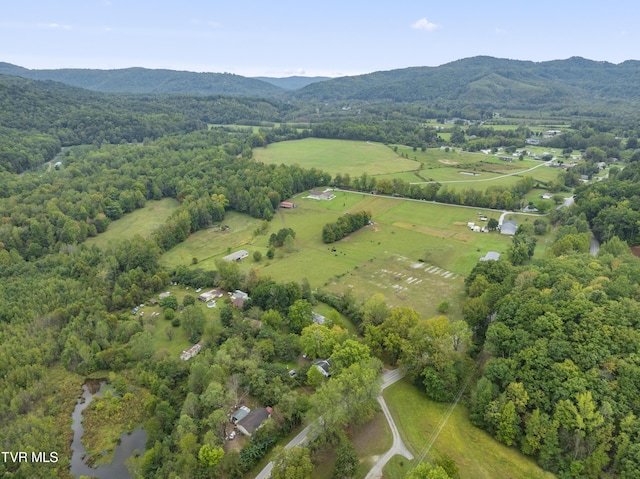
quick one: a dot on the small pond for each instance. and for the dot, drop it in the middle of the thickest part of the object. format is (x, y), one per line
(129, 443)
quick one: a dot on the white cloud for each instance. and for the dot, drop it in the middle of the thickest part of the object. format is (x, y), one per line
(424, 24)
(499, 31)
(54, 26)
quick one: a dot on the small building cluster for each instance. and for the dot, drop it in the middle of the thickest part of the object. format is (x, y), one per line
(477, 228)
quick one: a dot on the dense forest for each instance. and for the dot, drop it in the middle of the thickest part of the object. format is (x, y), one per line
(572, 86)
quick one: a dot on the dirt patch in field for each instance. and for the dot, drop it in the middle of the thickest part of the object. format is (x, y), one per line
(636, 251)
(459, 223)
(448, 162)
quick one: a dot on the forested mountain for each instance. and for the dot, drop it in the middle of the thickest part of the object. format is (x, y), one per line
(294, 82)
(571, 85)
(491, 83)
(144, 80)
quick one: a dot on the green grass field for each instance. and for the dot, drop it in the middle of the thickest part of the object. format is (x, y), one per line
(476, 453)
(336, 156)
(143, 222)
(416, 253)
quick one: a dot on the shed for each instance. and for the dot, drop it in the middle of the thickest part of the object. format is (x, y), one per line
(508, 227)
(252, 421)
(287, 204)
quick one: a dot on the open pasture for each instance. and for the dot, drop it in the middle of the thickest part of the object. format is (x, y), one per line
(208, 244)
(472, 170)
(416, 253)
(336, 156)
(476, 454)
(143, 222)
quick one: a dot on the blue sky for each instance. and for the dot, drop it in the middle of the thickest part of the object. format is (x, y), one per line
(326, 37)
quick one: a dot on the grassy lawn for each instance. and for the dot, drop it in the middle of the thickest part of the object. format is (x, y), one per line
(143, 222)
(336, 156)
(371, 440)
(476, 453)
(396, 468)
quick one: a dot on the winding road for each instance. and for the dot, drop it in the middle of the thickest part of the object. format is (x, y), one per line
(398, 447)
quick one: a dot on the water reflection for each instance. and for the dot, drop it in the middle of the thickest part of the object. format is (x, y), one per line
(128, 442)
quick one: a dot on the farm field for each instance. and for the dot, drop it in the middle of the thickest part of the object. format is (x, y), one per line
(476, 453)
(336, 156)
(211, 243)
(142, 221)
(454, 168)
(459, 170)
(416, 253)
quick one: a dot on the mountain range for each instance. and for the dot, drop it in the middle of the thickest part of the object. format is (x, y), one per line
(481, 82)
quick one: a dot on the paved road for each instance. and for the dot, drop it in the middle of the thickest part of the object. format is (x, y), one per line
(388, 378)
(398, 447)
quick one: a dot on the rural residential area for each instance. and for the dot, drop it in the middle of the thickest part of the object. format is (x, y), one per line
(426, 272)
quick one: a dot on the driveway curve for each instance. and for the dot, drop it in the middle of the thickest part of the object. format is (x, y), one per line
(398, 446)
(388, 378)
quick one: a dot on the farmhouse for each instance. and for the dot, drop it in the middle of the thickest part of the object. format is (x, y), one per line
(237, 256)
(491, 256)
(508, 227)
(325, 195)
(191, 352)
(508, 159)
(287, 204)
(252, 421)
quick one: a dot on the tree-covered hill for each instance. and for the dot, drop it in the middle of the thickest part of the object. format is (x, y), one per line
(490, 82)
(571, 85)
(144, 80)
(293, 82)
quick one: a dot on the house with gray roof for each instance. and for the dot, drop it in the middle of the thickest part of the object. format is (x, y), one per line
(252, 421)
